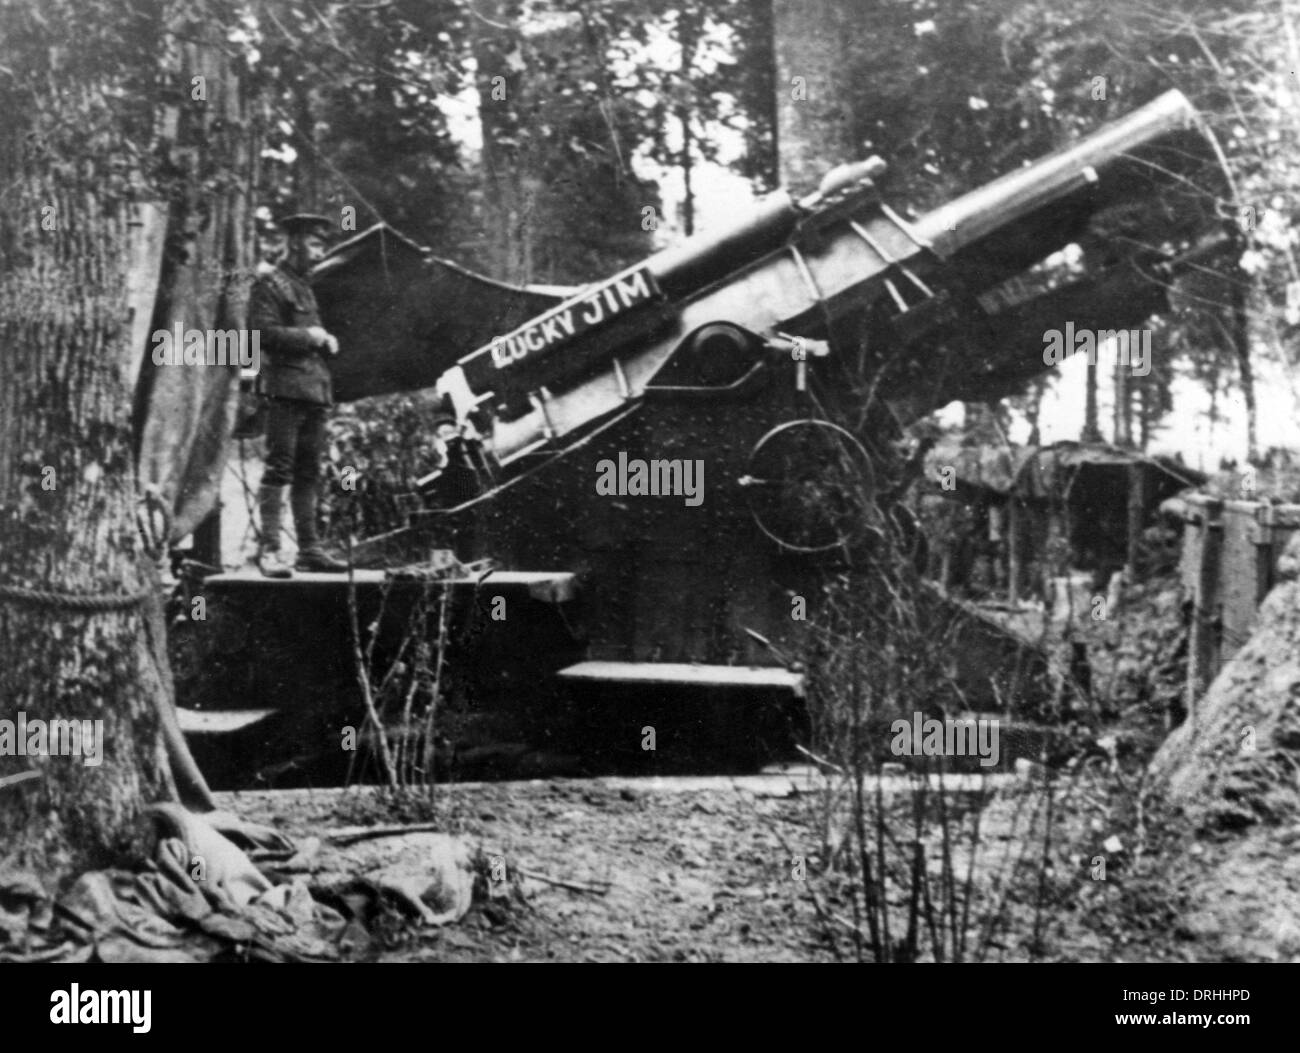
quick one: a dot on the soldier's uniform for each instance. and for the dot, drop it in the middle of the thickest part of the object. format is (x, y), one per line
(295, 379)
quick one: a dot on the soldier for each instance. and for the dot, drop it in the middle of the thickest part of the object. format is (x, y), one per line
(271, 246)
(295, 379)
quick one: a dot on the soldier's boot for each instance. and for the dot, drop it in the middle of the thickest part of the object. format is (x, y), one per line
(311, 554)
(270, 514)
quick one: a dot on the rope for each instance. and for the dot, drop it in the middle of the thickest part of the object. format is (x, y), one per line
(87, 602)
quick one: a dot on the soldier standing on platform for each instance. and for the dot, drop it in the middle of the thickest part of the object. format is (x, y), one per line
(295, 379)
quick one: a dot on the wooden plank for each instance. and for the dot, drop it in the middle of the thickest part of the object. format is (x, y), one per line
(771, 782)
(218, 721)
(684, 674)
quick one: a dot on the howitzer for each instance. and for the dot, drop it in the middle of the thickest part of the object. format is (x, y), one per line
(676, 459)
(754, 362)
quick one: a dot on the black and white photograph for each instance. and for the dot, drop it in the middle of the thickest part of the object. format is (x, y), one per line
(651, 481)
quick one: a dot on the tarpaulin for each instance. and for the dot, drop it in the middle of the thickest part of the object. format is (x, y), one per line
(403, 316)
(185, 413)
(200, 896)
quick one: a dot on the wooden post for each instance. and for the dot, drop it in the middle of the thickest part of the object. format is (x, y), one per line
(1265, 554)
(1203, 641)
(1014, 530)
(1056, 562)
(1137, 475)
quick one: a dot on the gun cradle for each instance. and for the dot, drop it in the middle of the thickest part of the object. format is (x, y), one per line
(814, 268)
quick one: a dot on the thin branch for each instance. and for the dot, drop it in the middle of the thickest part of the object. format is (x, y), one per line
(574, 886)
(361, 670)
(22, 776)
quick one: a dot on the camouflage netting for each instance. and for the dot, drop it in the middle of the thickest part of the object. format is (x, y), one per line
(1233, 773)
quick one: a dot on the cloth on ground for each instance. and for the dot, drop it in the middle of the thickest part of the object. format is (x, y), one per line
(201, 898)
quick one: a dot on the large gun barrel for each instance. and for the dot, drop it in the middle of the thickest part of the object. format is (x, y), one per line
(799, 268)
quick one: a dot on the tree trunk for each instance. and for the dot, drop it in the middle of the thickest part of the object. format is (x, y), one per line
(1034, 410)
(688, 35)
(80, 603)
(817, 46)
(507, 154)
(1091, 432)
(1145, 412)
(67, 485)
(1241, 347)
(1123, 406)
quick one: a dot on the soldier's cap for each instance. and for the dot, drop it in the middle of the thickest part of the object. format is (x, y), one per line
(444, 418)
(307, 223)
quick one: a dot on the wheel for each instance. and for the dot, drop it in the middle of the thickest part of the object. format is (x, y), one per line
(811, 486)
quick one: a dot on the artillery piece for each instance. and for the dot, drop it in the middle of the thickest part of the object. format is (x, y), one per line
(773, 361)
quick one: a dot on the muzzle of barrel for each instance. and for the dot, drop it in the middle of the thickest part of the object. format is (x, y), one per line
(1020, 193)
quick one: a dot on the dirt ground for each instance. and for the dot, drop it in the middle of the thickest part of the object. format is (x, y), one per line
(701, 870)
(692, 876)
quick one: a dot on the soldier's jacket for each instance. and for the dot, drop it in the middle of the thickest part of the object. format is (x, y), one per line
(282, 307)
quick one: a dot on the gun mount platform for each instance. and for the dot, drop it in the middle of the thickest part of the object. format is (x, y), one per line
(543, 585)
